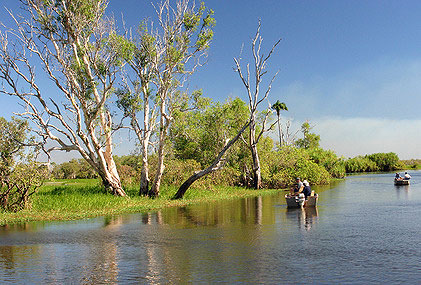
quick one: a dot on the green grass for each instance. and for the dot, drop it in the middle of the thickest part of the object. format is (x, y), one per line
(85, 198)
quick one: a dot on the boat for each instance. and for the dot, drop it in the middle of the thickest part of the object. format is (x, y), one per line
(300, 201)
(401, 182)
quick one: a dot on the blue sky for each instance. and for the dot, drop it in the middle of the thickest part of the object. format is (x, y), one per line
(352, 68)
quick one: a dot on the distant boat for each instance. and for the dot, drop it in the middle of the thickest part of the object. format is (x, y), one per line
(299, 202)
(401, 182)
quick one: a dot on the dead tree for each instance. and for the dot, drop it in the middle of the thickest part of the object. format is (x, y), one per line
(255, 99)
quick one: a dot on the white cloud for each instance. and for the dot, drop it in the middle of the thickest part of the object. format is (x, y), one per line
(383, 89)
(372, 108)
(350, 137)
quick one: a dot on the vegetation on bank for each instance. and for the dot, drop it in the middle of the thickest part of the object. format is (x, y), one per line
(179, 134)
(410, 164)
(85, 198)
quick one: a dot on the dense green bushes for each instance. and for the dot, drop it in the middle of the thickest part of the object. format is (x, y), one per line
(283, 166)
(360, 164)
(409, 164)
(279, 167)
(384, 161)
(329, 160)
(373, 162)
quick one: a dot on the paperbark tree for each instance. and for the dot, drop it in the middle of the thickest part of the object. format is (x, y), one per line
(70, 40)
(162, 58)
(255, 99)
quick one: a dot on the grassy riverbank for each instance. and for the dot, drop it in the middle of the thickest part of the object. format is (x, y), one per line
(84, 198)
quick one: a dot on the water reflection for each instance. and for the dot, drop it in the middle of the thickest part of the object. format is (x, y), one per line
(349, 238)
(244, 211)
(402, 191)
(306, 217)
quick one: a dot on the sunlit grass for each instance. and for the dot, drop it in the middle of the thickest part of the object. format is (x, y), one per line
(85, 198)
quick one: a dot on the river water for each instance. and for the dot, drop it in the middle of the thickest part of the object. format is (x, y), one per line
(364, 230)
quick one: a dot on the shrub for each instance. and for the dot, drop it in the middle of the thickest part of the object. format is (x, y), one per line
(329, 160)
(360, 164)
(289, 162)
(384, 161)
(19, 185)
(177, 171)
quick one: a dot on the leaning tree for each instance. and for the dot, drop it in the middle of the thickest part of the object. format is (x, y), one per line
(68, 42)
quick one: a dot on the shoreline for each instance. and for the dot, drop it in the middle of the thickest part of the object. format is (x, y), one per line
(54, 202)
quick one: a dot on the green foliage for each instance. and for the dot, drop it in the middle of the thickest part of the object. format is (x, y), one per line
(129, 102)
(201, 134)
(20, 185)
(384, 161)
(12, 136)
(126, 49)
(329, 160)
(75, 168)
(310, 140)
(360, 164)
(20, 177)
(373, 162)
(177, 171)
(282, 167)
(278, 107)
(74, 17)
(409, 164)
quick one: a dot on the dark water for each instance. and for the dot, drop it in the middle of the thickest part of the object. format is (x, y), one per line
(364, 230)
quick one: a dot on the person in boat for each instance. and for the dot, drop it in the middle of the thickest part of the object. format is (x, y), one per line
(298, 188)
(306, 189)
(398, 177)
(406, 176)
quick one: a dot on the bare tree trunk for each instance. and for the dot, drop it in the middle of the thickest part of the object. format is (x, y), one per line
(163, 127)
(144, 174)
(216, 164)
(154, 192)
(111, 173)
(257, 178)
(280, 133)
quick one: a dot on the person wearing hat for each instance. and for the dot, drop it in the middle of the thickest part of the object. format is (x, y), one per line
(306, 189)
(299, 186)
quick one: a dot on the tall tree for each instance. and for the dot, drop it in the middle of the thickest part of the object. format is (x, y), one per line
(163, 57)
(278, 107)
(255, 99)
(309, 140)
(70, 40)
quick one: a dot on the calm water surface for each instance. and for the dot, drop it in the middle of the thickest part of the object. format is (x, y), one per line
(364, 230)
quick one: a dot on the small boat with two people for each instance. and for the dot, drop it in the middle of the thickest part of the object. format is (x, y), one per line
(402, 180)
(301, 195)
